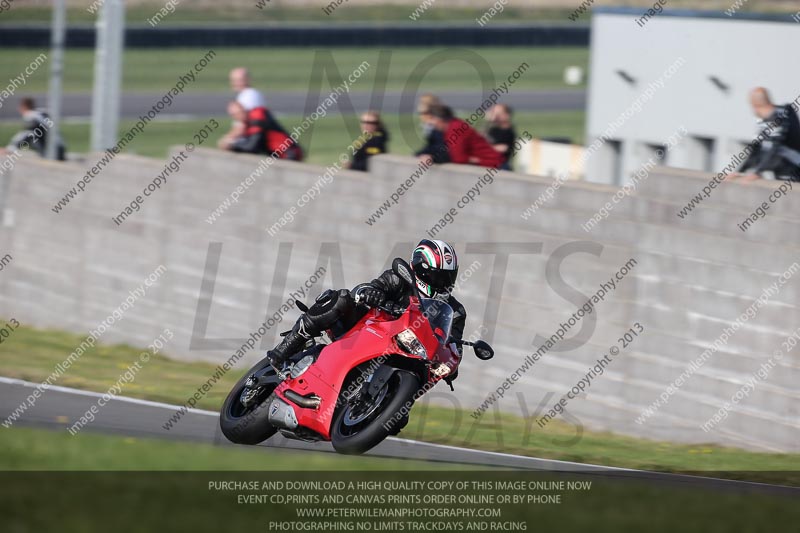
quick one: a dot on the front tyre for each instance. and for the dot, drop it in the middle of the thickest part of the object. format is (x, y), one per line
(362, 424)
(244, 417)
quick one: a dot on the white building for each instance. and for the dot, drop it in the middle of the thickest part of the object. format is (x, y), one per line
(679, 71)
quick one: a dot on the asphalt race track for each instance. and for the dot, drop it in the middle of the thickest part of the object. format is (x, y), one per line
(294, 102)
(59, 407)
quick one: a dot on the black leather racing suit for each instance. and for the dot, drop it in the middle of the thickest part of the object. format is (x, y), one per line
(337, 311)
(398, 291)
(779, 151)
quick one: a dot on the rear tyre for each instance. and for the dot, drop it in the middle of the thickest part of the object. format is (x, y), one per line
(244, 417)
(360, 426)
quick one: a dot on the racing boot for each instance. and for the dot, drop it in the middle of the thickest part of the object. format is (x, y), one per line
(293, 342)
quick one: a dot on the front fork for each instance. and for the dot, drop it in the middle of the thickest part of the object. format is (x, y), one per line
(254, 385)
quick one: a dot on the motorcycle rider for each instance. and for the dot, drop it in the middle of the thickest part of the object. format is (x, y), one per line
(435, 266)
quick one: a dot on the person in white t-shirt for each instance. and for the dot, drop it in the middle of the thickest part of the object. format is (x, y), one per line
(246, 96)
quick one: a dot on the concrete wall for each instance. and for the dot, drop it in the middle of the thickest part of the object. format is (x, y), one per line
(692, 277)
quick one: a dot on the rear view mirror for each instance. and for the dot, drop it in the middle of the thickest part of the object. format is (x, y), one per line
(482, 350)
(401, 268)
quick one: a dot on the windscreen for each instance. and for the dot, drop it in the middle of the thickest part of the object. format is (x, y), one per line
(440, 316)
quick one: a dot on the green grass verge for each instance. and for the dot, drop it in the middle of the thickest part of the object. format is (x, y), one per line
(291, 69)
(441, 12)
(249, 14)
(323, 144)
(32, 354)
(25, 448)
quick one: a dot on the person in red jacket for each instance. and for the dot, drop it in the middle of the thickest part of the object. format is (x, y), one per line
(463, 143)
(264, 135)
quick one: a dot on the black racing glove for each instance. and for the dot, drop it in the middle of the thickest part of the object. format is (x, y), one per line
(370, 296)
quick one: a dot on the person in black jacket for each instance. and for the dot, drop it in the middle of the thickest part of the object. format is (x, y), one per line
(777, 147)
(435, 266)
(36, 133)
(376, 143)
(435, 147)
(500, 133)
(260, 133)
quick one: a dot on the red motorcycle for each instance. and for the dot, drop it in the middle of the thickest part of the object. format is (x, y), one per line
(356, 390)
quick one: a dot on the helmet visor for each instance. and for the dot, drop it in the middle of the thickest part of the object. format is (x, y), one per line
(440, 280)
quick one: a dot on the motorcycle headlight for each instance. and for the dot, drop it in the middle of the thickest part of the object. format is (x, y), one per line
(410, 343)
(301, 366)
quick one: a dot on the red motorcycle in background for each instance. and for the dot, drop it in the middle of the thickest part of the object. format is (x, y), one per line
(356, 390)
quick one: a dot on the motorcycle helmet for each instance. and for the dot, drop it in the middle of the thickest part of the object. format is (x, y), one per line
(435, 266)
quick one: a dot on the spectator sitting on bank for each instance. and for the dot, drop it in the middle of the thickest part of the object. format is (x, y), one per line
(36, 130)
(500, 133)
(373, 127)
(464, 145)
(779, 151)
(434, 139)
(239, 120)
(263, 135)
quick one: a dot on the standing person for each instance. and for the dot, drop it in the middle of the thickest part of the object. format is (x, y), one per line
(464, 145)
(36, 130)
(434, 148)
(247, 96)
(376, 142)
(779, 151)
(501, 134)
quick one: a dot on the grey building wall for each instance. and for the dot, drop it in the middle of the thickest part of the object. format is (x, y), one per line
(692, 278)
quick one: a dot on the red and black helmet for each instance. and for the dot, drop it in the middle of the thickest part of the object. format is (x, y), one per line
(435, 265)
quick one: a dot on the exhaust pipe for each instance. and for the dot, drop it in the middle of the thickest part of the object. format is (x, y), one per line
(308, 402)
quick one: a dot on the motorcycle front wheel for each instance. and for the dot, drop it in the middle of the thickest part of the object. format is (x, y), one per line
(363, 423)
(244, 417)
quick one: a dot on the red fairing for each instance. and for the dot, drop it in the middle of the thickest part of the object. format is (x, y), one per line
(372, 338)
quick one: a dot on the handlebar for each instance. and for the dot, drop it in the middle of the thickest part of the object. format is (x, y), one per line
(390, 308)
